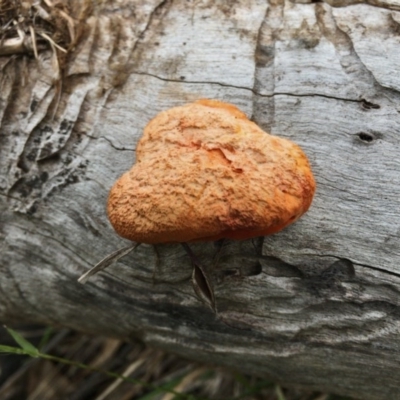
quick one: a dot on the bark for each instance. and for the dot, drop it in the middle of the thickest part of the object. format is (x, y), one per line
(316, 305)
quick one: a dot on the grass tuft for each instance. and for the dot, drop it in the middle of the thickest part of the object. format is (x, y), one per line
(48, 364)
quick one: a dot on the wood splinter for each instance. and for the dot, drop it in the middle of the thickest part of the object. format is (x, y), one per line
(205, 172)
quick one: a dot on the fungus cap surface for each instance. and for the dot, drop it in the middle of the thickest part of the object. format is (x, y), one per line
(204, 171)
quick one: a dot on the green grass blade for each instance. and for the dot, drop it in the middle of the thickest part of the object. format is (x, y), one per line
(29, 348)
(46, 337)
(11, 350)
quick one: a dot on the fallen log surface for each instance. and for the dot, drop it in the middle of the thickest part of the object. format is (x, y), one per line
(316, 305)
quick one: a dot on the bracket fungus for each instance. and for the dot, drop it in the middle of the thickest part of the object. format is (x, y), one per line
(205, 172)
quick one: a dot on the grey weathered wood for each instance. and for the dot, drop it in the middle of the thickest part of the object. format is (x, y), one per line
(316, 305)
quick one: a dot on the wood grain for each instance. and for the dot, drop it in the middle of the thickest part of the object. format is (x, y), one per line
(316, 305)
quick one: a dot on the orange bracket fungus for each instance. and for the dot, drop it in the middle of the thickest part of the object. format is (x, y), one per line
(205, 172)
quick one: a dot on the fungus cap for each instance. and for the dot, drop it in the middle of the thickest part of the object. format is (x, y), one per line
(204, 171)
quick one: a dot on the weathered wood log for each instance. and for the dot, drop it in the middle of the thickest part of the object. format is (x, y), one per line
(316, 305)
